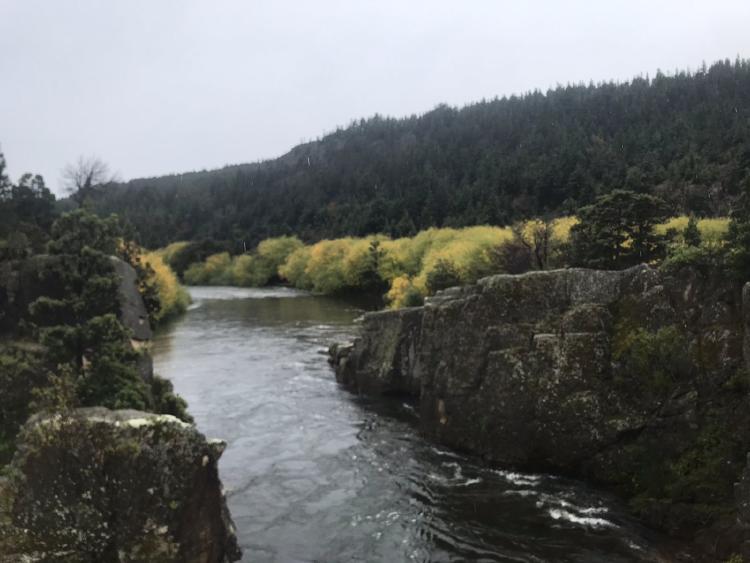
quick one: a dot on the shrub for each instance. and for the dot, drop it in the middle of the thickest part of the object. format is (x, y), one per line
(654, 359)
(216, 270)
(691, 234)
(294, 270)
(173, 298)
(20, 373)
(738, 236)
(442, 276)
(711, 229)
(165, 401)
(403, 293)
(270, 255)
(706, 257)
(325, 269)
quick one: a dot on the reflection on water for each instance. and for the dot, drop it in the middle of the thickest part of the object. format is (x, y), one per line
(317, 474)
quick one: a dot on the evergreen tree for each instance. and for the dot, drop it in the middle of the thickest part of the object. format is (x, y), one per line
(692, 234)
(442, 276)
(77, 318)
(738, 237)
(496, 162)
(617, 231)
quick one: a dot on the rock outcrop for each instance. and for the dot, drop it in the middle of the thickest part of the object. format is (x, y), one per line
(134, 316)
(633, 379)
(101, 485)
(133, 312)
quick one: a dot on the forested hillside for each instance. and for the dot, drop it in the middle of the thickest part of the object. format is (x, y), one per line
(683, 137)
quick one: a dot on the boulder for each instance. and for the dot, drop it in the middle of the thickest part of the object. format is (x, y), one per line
(102, 485)
(133, 312)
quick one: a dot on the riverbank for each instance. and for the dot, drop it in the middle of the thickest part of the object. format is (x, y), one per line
(314, 472)
(404, 270)
(635, 380)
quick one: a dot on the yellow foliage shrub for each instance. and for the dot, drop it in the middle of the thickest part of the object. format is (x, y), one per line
(325, 268)
(403, 293)
(332, 266)
(168, 252)
(242, 270)
(293, 270)
(712, 230)
(216, 270)
(173, 297)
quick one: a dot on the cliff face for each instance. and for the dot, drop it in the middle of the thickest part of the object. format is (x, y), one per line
(134, 316)
(101, 485)
(633, 379)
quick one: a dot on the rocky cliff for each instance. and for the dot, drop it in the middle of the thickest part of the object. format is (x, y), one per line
(633, 379)
(134, 316)
(101, 485)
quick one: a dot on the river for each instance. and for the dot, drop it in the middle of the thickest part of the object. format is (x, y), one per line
(315, 473)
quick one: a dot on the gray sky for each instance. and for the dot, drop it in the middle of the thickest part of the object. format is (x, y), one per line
(157, 86)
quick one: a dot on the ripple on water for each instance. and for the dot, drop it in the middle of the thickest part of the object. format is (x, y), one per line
(315, 473)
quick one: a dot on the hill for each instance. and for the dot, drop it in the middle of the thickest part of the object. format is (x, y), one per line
(684, 137)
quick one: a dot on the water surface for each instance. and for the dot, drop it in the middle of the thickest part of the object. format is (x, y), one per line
(315, 473)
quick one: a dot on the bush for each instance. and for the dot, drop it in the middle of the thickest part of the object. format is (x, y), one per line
(656, 360)
(442, 276)
(270, 255)
(165, 401)
(706, 257)
(20, 373)
(294, 270)
(173, 298)
(403, 293)
(216, 270)
(711, 229)
(691, 234)
(738, 236)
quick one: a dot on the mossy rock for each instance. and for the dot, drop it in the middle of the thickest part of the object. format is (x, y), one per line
(101, 485)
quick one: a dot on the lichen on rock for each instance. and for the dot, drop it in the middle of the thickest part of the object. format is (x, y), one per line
(633, 379)
(101, 485)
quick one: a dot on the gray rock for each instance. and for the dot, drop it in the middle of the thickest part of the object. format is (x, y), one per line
(133, 312)
(101, 485)
(536, 372)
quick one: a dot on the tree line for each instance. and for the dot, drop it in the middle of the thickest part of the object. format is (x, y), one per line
(681, 137)
(618, 230)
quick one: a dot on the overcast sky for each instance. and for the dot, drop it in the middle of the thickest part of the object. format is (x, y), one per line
(158, 86)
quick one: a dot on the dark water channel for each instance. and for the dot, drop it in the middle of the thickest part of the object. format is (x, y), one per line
(315, 473)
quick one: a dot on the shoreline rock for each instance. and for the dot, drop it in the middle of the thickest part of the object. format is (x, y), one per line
(635, 380)
(102, 485)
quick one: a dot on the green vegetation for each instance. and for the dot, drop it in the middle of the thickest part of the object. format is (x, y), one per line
(410, 268)
(656, 360)
(692, 483)
(738, 236)
(406, 267)
(173, 298)
(62, 344)
(618, 230)
(682, 138)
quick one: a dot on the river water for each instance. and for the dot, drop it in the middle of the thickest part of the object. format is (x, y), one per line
(314, 473)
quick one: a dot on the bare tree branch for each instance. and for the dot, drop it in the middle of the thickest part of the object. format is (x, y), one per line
(81, 180)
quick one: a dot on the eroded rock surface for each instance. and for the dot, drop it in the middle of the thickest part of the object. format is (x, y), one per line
(634, 379)
(101, 485)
